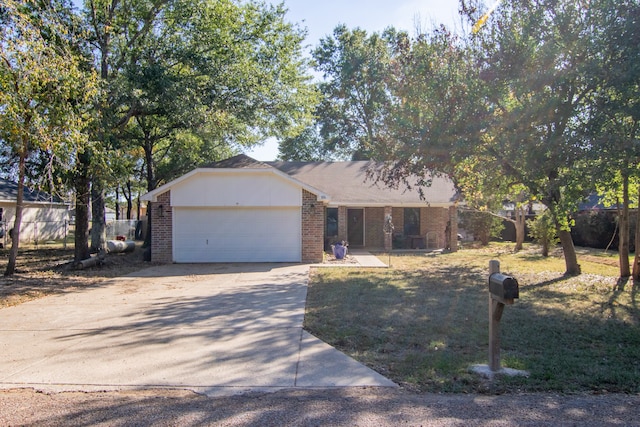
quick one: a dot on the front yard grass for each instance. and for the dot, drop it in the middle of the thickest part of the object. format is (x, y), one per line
(424, 321)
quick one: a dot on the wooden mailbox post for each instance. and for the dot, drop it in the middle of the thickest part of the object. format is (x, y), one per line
(502, 291)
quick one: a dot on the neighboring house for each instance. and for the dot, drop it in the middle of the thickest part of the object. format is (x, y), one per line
(109, 214)
(593, 203)
(44, 217)
(243, 210)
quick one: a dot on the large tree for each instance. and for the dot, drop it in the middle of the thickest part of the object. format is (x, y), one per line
(536, 60)
(118, 33)
(513, 99)
(43, 87)
(356, 68)
(191, 81)
(307, 146)
(212, 77)
(615, 124)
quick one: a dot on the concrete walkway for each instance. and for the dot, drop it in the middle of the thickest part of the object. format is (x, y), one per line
(366, 259)
(355, 258)
(214, 329)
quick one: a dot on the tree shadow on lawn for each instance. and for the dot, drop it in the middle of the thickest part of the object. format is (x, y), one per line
(616, 301)
(424, 329)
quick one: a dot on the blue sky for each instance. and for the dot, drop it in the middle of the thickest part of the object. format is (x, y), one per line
(320, 17)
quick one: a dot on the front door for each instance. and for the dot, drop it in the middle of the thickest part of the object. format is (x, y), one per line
(355, 227)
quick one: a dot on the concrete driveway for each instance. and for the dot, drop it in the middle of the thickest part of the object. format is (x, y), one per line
(214, 329)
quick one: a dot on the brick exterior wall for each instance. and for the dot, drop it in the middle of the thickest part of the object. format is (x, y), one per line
(453, 232)
(342, 223)
(442, 225)
(162, 229)
(373, 228)
(433, 222)
(398, 220)
(313, 216)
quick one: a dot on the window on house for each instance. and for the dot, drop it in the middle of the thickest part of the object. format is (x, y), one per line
(411, 221)
(331, 222)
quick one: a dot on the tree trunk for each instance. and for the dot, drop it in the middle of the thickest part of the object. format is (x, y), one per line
(82, 184)
(151, 184)
(98, 223)
(623, 231)
(570, 257)
(117, 202)
(636, 259)
(519, 223)
(127, 195)
(15, 235)
(545, 246)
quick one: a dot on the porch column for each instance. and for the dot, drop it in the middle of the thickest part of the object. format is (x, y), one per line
(342, 223)
(388, 237)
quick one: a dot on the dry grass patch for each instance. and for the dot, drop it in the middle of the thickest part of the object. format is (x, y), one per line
(46, 270)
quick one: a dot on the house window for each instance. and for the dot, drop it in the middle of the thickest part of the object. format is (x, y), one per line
(331, 223)
(411, 221)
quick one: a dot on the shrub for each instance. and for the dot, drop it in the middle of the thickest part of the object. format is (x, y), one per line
(543, 231)
(483, 225)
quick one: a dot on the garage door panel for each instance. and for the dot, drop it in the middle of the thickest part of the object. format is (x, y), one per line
(237, 235)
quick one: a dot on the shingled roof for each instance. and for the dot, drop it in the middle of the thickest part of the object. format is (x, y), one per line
(349, 183)
(9, 193)
(338, 183)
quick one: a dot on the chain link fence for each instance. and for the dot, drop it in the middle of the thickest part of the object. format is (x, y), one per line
(61, 233)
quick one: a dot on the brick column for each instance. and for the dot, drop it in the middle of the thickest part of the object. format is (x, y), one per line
(312, 228)
(162, 229)
(388, 237)
(342, 223)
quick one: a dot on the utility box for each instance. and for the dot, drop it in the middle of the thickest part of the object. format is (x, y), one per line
(504, 287)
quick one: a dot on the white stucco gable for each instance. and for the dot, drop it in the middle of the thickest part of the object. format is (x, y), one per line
(230, 187)
(221, 188)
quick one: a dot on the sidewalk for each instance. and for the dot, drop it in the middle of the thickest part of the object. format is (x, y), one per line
(359, 258)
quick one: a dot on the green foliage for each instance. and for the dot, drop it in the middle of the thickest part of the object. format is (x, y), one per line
(307, 146)
(44, 91)
(542, 230)
(483, 225)
(211, 77)
(356, 68)
(434, 111)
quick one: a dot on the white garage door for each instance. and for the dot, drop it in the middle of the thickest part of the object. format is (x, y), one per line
(237, 235)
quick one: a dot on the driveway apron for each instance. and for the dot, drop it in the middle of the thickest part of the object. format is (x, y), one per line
(216, 329)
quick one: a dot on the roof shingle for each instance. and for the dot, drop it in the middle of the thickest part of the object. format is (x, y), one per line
(9, 193)
(351, 183)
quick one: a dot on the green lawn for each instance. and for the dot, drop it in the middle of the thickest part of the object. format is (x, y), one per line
(424, 321)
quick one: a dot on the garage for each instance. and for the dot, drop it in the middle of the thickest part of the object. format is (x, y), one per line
(265, 234)
(236, 210)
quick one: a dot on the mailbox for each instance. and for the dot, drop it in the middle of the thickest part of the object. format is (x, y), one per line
(502, 286)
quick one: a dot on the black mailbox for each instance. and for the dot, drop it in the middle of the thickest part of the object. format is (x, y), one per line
(505, 287)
